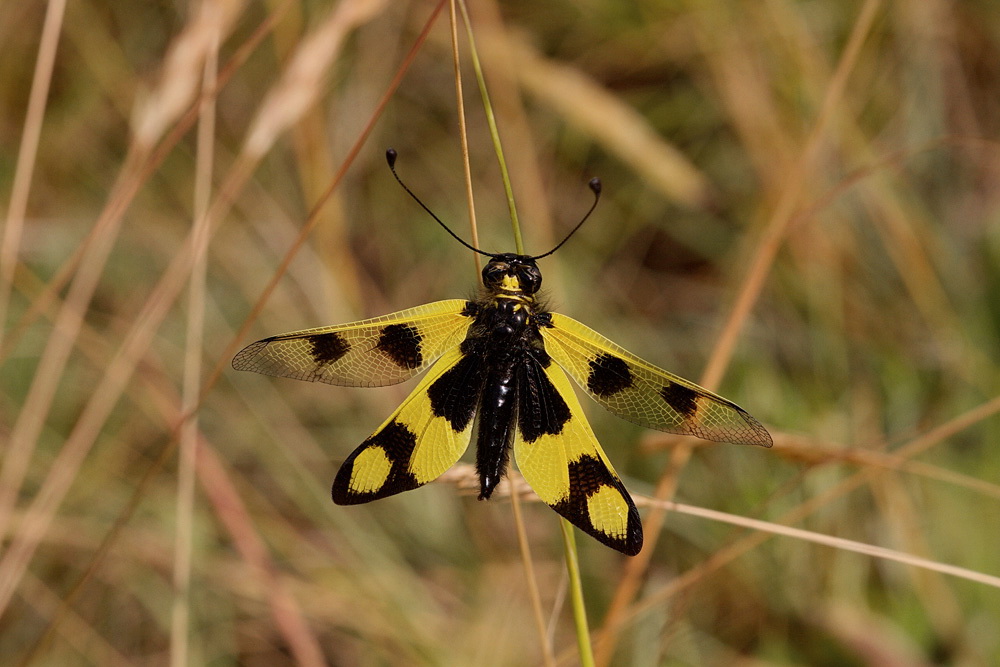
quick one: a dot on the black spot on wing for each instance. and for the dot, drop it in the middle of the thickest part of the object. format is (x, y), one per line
(328, 348)
(586, 476)
(397, 441)
(608, 375)
(541, 410)
(681, 399)
(401, 343)
(455, 394)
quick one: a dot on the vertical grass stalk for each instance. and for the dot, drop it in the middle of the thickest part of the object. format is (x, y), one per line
(463, 136)
(576, 596)
(183, 548)
(494, 132)
(572, 560)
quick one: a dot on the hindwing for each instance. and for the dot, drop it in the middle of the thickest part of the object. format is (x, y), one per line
(640, 392)
(561, 459)
(424, 437)
(372, 353)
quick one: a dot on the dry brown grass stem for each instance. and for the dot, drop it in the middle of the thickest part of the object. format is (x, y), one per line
(771, 528)
(531, 581)
(66, 465)
(27, 153)
(814, 453)
(750, 290)
(463, 137)
(190, 398)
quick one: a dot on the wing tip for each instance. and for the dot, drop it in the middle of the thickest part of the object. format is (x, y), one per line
(242, 360)
(758, 434)
(631, 543)
(631, 548)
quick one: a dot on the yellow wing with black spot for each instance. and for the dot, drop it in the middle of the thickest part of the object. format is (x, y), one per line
(640, 392)
(372, 353)
(560, 458)
(424, 437)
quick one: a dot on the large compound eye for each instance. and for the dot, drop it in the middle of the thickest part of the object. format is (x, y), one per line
(530, 278)
(493, 273)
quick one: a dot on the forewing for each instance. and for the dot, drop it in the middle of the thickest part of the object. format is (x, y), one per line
(424, 437)
(371, 353)
(644, 394)
(560, 458)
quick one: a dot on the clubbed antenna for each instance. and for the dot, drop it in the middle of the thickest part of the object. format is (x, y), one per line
(595, 187)
(390, 157)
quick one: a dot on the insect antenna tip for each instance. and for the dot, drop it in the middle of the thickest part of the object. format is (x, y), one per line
(595, 187)
(390, 157)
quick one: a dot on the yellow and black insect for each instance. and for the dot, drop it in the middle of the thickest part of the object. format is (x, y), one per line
(500, 367)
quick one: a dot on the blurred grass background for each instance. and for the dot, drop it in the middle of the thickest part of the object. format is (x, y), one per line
(841, 156)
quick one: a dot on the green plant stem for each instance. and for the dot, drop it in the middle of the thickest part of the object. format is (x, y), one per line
(494, 132)
(569, 541)
(576, 595)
